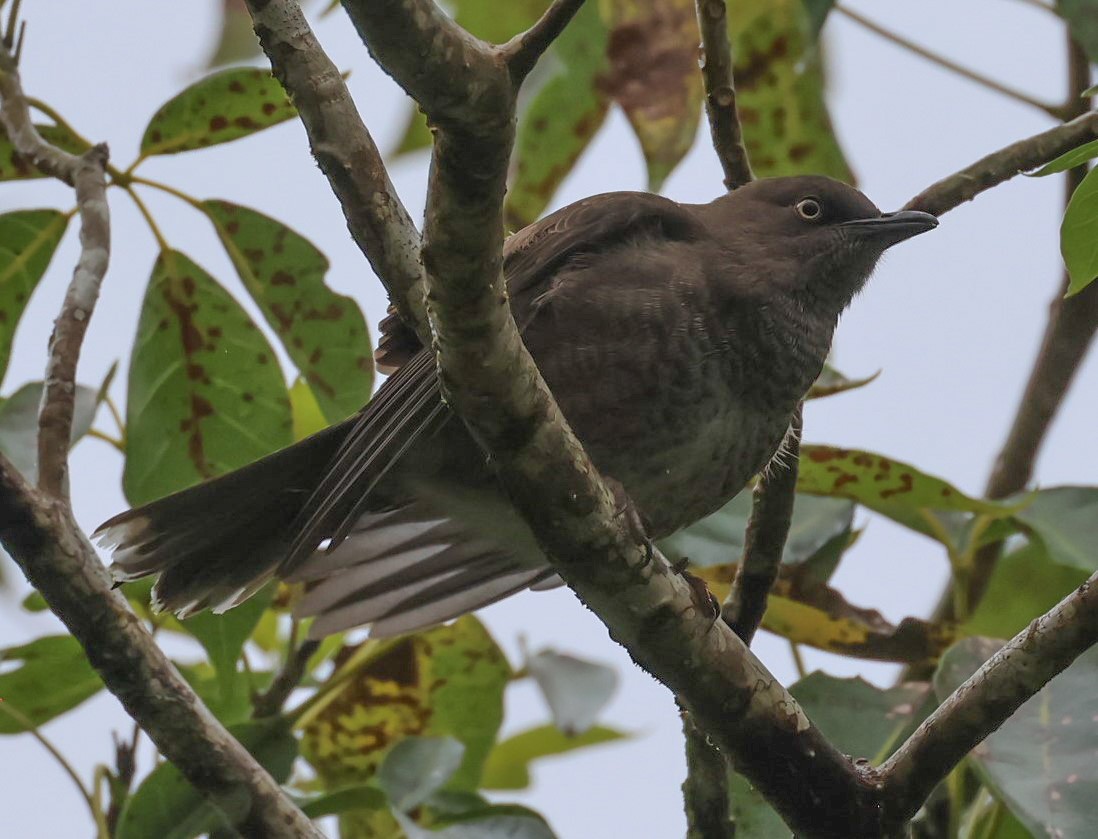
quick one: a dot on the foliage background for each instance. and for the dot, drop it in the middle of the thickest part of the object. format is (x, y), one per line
(953, 320)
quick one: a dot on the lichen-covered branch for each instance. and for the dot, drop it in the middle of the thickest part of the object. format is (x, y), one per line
(86, 174)
(346, 154)
(720, 93)
(988, 698)
(44, 540)
(767, 529)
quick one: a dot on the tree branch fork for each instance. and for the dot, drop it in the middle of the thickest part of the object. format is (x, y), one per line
(468, 90)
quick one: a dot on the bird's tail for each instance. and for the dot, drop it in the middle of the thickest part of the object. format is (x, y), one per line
(216, 543)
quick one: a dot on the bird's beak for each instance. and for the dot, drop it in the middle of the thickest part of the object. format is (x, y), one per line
(890, 228)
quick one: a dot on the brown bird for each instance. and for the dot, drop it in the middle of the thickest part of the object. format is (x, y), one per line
(677, 339)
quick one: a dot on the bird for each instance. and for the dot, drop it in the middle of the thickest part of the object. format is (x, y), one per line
(677, 339)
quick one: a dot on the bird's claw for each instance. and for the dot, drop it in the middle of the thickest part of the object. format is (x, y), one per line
(624, 506)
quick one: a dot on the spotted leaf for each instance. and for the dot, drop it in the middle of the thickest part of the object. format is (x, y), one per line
(323, 332)
(892, 488)
(221, 107)
(653, 75)
(206, 394)
(780, 91)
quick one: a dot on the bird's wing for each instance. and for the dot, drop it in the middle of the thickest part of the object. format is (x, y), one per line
(533, 256)
(410, 406)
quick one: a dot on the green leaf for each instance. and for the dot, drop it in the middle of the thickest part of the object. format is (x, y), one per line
(223, 636)
(28, 239)
(323, 332)
(1024, 585)
(831, 381)
(15, 167)
(561, 118)
(576, 690)
(53, 676)
(237, 41)
(499, 821)
(1065, 522)
(168, 807)
(1079, 234)
(987, 818)
(817, 11)
(508, 765)
(861, 720)
(308, 418)
(1082, 21)
(19, 424)
(1069, 160)
(719, 538)
(206, 394)
(221, 107)
(357, 797)
(653, 75)
(890, 487)
(417, 767)
(780, 91)
(1040, 763)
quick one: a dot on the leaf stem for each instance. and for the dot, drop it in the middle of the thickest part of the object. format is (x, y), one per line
(798, 659)
(170, 190)
(32, 729)
(1054, 111)
(107, 438)
(367, 653)
(153, 226)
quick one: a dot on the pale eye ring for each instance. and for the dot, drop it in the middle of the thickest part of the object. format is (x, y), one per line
(809, 209)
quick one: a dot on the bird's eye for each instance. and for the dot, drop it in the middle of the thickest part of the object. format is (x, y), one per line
(809, 209)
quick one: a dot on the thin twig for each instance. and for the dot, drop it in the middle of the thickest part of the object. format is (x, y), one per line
(28, 725)
(523, 51)
(347, 155)
(270, 702)
(987, 699)
(86, 174)
(705, 789)
(720, 93)
(1004, 164)
(1054, 111)
(767, 529)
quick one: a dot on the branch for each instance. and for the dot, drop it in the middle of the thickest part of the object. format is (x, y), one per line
(270, 702)
(988, 698)
(705, 790)
(767, 529)
(86, 174)
(523, 51)
(1004, 164)
(720, 93)
(1054, 111)
(57, 559)
(346, 154)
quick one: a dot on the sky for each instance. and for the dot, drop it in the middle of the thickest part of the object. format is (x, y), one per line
(952, 319)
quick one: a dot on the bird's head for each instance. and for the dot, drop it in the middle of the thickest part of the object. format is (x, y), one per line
(822, 236)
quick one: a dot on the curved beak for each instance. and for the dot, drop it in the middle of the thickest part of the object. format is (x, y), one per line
(891, 228)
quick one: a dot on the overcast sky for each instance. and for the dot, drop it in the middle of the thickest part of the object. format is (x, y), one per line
(952, 318)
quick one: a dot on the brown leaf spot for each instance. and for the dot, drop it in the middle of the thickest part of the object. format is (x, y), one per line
(262, 358)
(283, 278)
(214, 331)
(254, 255)
(844, 479)
(218, 123)
(907, 483)
(799, 151)
(195, 372)
(268, 108)
(315, 356)
(235, 86)
(188, 286)
(652, 61)
(247, 123)
(232, 228)
(247, 397)
(155, 136)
